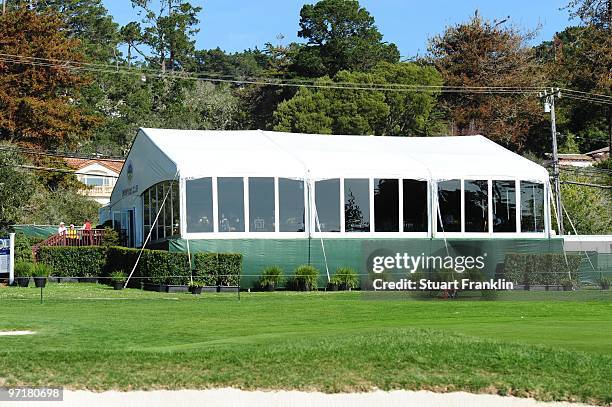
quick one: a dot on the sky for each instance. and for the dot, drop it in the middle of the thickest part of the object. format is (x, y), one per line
(236, 25)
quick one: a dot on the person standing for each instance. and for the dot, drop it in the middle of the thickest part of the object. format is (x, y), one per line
(72, 235)
(61, 230)
(87, 232)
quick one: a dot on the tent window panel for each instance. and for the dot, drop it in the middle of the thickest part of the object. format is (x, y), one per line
(153, 192)
(168, 210)
(327, 201)
(415, 205)
(146, 216)
(176, 219)
(386, 205)
(532, 207)
(449, 199)
(230, 193)
(504, 206)
(261, 204)
(160, 208)
(356, 205)
(199, 205)
(476, 206)
(291, 205)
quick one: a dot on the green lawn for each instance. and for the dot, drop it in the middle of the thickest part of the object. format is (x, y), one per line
(89, 336)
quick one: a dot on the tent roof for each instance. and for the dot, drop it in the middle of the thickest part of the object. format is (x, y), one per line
(200, 153)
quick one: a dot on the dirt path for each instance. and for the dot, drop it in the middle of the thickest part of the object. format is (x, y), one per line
(233, 397)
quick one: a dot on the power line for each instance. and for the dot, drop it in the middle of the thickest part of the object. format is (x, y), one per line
(310, 83)
(586, 184)
(60, 170)
(286, 82)
(61, 154)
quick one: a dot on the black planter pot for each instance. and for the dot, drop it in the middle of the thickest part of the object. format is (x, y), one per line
(303, 285)
(196, 290)
(332, 287)
(40, 282)
(269, 287)
(23, 281)
(154, 287)
(343, 287)
(118, 285)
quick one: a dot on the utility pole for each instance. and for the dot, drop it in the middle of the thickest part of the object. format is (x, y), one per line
(549, 106)
(4, 7)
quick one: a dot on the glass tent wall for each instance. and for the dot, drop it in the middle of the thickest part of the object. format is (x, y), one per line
(259, 207)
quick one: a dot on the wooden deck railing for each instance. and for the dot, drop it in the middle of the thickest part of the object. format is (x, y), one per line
(93, 237)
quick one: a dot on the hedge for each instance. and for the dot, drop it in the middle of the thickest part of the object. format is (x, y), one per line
(155, 266)
(217, 268)
(86, 261)
(541, 268)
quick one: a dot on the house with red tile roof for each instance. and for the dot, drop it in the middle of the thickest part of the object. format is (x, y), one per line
(98, 174)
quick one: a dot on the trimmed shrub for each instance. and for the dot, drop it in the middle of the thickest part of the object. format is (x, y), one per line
(155, 266)
(228, 269)
(217, 268)
(86, 261)
(541, 268)
(205, 268)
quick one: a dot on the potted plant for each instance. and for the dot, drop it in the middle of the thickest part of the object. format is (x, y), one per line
(40, 272)
(23, 272)
(306, 278)
(118, 279)
(346, 278)
(195, 287)
(567, 284)
(271, 277)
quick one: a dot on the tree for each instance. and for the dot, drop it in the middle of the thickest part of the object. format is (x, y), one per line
(39, 104)
(596, 16)
(16, 187)
(168, 32)
(341, 35)
(483, 53)
(357, 111)
(588, 207)
(86, 20)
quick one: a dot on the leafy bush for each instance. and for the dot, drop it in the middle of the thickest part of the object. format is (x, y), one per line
(541, 268)
(23, 247)
(42, 270)
(195, 283)
(110, 237)
(604, 283)
(271, 276)
(346, 276)
(306, 278)
(118, 277)
(23, 268)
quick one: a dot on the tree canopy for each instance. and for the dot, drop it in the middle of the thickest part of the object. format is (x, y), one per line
(39, 101)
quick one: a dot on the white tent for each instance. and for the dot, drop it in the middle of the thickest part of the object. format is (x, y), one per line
(160, 155)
